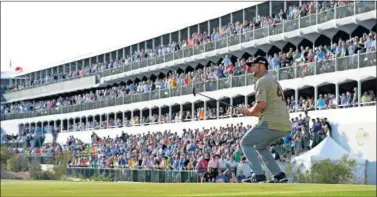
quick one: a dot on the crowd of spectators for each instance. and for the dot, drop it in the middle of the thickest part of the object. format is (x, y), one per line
(196, 39)
(227, 67)
(329, 101)
(211, 151)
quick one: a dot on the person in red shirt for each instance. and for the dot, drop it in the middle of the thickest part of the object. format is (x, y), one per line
(38, 151)
(202, 165)
(246, 67)
(230, 69)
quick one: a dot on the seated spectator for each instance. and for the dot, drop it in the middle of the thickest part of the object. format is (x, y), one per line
(243, 168)
(233, 179)
(240, 176)
(207, 177)
(220, 178)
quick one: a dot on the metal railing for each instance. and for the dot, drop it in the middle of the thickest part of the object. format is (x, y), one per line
(285, 73)
(285, 26)
(136, 175)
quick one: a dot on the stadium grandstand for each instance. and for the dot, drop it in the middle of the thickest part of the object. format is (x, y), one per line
(133, 108)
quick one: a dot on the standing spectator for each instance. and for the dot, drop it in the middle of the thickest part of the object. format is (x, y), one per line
(213, 164)
(237, 154)
(315, 131)
(321, 104)
(365, 98)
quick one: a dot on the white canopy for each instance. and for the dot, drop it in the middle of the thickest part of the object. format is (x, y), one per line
(327, 149)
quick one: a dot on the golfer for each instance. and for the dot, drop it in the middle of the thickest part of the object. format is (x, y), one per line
(270, 107)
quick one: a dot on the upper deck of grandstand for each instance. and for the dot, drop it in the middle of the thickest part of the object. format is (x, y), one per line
(268, 19)
(305, 59)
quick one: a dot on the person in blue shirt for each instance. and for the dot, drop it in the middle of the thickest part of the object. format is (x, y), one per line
(192, 148)
(226, 61)
(220, 72)
(217, 36)
(220, 178)
(321, 102)
(316, 129)
(321, 54)
(368, 43)
(175, 163)
(241, 176)
(276, 61)
(167, 152)
(180, 162)
(287, 143)
(338, 50)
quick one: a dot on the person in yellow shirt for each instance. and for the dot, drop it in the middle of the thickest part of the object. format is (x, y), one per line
(164, 163)
(116, 162)
(365, 98)
(132, 163)
(173, 82)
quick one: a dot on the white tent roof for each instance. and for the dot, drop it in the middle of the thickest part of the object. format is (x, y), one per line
(327, 149)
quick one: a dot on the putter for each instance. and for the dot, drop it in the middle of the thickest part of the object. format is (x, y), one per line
(194, 92)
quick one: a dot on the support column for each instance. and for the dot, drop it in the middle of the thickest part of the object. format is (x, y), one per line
(246, 100)
(159, 114)
(337, 94)
(181, 112)
(243, 15)
(270, 9)
(358, 93)
(170, 113)
(296, 98)
(150, 113)
(68, 124)
(192, 111)
(217, 110)
(141, 117)
(231, 104)
(124, 118)
(205, 110)
(315, 97)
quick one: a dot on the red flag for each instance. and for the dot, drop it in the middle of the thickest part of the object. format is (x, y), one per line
(18, 69)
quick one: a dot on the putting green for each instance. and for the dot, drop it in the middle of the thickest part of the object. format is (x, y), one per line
(99, 189)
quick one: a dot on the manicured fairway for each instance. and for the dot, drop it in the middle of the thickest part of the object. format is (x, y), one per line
(100, 189)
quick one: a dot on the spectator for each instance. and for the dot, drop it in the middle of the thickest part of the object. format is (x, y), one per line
(243, 168)
(207, 176)
(220, 178)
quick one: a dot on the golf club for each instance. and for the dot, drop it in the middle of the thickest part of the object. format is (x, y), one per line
(194, 93)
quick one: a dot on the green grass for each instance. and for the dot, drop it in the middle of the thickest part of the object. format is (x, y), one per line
(99, 189)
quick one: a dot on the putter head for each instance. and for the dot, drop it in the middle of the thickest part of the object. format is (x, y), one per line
(194, 91)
